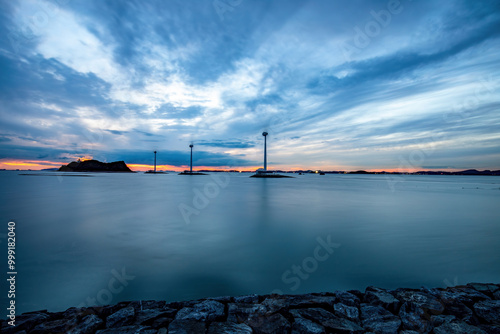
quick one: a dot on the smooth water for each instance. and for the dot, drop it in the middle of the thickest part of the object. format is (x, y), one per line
(106, 238)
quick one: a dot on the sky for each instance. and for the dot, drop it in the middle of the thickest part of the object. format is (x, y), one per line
(338, 85)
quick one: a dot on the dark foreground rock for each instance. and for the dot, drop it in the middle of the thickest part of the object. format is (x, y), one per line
(472, 308)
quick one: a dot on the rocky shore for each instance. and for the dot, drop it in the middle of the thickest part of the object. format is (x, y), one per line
(472, 308)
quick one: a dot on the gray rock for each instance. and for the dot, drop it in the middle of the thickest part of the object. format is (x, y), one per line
(26, 322)
(426, 301)
(222, 299)
(489, 311)
(148, 316)
(186, 326)
(496, 295)
(328, 320)
(242, 312)
(208, 310)
(142, 305)
(127, 330)
(89, 325)
(348, 312)
(272, 324)
(229, 328)
(55, 326)
(311, 301)
(458, 328)
(275, 304)
(467, 295)
(414, 317)
(305, 326)
(454, 306)
(249, 299)
(377, 296)
(121, 318)
(485, 288)
(347, 298)
(438, 320)
(377, 319)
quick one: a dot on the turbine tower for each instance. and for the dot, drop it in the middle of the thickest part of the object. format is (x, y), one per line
(265, 150)
(191, 164)
(155, 163)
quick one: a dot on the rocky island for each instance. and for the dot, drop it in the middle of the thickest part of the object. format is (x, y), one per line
(95, 166)
(472, 308)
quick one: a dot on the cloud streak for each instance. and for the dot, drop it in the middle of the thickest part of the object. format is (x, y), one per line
(117, 81)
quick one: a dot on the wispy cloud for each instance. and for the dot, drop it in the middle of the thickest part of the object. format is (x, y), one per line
(117, 81)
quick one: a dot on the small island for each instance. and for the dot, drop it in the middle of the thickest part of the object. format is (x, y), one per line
(96, 166)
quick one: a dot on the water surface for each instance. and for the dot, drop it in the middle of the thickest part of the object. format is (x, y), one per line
(243, 235)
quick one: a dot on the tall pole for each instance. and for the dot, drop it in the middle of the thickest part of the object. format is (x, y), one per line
(265, 150)
(155, 162)
(191, 164)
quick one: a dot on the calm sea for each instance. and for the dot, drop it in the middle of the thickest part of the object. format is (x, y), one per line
(106, 238)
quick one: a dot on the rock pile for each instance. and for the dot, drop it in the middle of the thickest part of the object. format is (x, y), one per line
(473, 308)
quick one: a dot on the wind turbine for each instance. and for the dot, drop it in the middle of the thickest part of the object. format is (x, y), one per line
(191, 164)
(155, 163)
(265, 149)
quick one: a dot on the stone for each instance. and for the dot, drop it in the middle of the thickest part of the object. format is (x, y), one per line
(208, 310)
(229, 328)
(120, 318)
(148, 316)
(377, 319)
(414, 317)
(305, 326)
(458, 328)
(89, 325)
(496, 295)
(241, 312)
(438, 320)
(489, 311)
(467, 295)
(347, 298)
(186, 326)
(328, 320)
(454, 306)
(26, 322)
(487, 289)
(426, 301)
(276, 304)
(377, 296)
(55, 327)
(127, 330)
(249, 299)
(311, 301)
(142, 305)
(272, 324)
(348, 312)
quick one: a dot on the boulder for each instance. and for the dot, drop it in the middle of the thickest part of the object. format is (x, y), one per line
(489, 311)
(88, 325)
(127, 330)
(229, 328)
(378, 320)
(377, 296)
(186, 326)
(208, 310)
(305, 326)
(328, 320)
(348, 312)
(120, 318)
(459, 327)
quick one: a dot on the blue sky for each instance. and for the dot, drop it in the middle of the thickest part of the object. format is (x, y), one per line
(337, 84)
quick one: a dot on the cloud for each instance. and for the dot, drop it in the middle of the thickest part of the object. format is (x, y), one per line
(129, 78)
